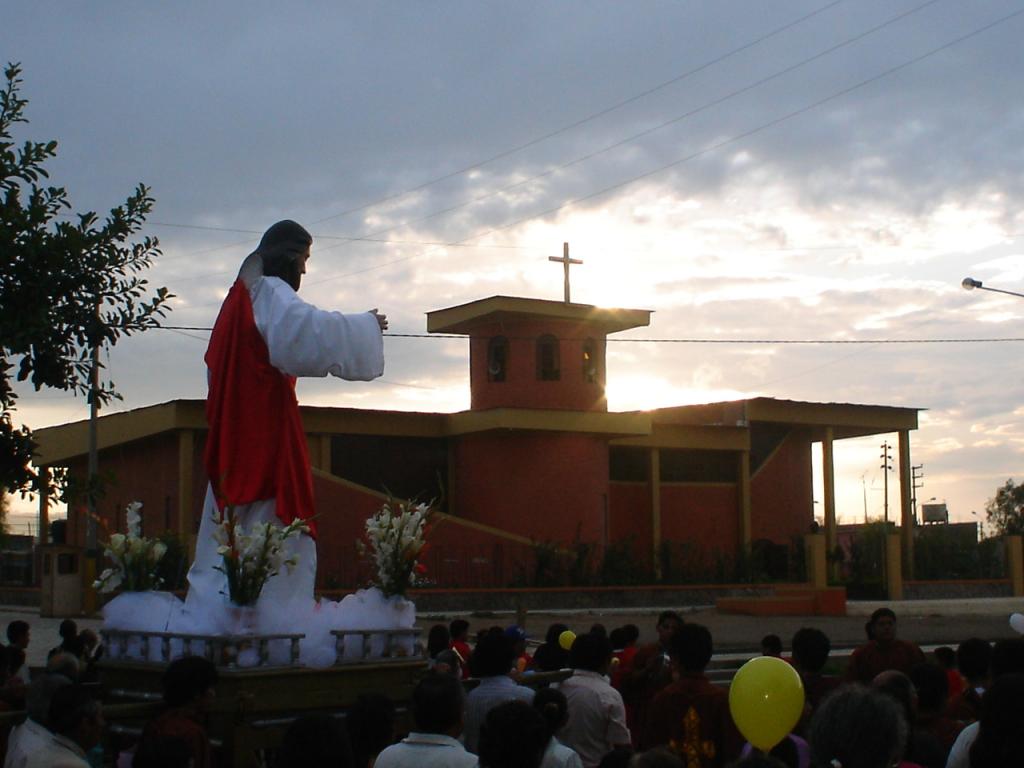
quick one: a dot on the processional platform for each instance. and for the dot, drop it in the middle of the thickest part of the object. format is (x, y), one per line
(256, 702)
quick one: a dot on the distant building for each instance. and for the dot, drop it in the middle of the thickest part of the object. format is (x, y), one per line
(537, 459)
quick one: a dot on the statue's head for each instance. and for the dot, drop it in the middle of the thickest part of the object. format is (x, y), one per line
(284, 249)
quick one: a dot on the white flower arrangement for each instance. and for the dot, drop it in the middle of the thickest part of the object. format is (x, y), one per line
(396, 537)
(252, 556)
(134, 558)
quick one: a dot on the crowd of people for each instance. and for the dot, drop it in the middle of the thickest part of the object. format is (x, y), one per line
(594, 700)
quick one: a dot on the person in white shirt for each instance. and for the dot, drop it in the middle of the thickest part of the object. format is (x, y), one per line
(493, 659)
(76, 725)
(597, 716)
(438, 712)
(553, 707)
(33, 733)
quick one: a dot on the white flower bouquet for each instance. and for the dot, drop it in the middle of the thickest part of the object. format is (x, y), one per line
(134, 559)
(396, 539)
(252, 556)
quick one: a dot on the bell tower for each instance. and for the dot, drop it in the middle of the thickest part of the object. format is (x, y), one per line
(532, 353)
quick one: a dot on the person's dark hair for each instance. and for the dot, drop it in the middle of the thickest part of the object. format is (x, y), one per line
(598, 629)
(619, 757)
(974, 658)
(68, 629)
(556, 629)
(16, 630)
(811, 647)
(315, 740)
(186, 678)
(438, 639)
(458, 629)
(69, 706)
(897, 685)
(437, 703)
(162, 751)
(370, 723)
(493, 655)
(632, 632)
(553, 707)
(1000, 738)
(74, 645)
(771, 645)
(1008, 657)
(666, 615)
(7, 667)
(65, 664)
(879, 613)
(590, 652)
(281, 249)
(40, 694)
(513, 735)
(859, 727)
(617, 637)
(659, 757)
(945, 657)
(691, 647)
(932, 686)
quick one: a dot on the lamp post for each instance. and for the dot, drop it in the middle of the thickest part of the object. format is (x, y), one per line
(969, 284)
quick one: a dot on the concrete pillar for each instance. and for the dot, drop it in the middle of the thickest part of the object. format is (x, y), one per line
(893, 568)
(655, 489)
(816, 560)
(906, 510)
(828, 476)
(1015, 564)
(743, 488)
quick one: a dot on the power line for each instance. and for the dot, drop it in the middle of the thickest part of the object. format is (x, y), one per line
(648, 131)
(581, 121)
(695, 340)
(753, 131)
(699, 153)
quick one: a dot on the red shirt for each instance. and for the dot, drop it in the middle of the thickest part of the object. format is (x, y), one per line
(692, 717)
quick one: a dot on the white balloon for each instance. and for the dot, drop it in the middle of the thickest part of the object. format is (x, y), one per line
(1017, 622)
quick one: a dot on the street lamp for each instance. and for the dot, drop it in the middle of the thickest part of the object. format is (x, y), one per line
(969, 284)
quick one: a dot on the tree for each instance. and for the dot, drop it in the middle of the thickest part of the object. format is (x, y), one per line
(1005, 511)
(69, 284)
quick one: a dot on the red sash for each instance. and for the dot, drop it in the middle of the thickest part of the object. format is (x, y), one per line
(256, 447)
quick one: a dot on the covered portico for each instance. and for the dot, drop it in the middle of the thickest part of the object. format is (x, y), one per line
(769, 441)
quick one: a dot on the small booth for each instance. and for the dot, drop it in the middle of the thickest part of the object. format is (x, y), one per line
(61, 580)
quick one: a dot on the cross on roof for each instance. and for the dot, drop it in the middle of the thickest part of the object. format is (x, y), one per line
(565, 261)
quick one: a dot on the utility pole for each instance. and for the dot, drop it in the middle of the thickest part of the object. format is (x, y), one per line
(916, 473)
(886, 469)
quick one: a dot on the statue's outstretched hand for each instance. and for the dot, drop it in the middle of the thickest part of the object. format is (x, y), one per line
(382, 320)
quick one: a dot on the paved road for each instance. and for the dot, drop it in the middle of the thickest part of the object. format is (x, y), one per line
(927, 622)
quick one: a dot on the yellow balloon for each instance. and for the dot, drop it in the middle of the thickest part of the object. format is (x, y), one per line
(766, 699)
(566, 639)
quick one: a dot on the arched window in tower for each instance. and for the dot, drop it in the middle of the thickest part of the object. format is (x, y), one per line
(590, 361)
(497, 359)
(547, 358)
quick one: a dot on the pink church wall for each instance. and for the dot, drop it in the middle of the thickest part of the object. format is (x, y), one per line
(781, 493)
(546, 486)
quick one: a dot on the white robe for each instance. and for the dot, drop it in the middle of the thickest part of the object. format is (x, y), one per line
(302, 341)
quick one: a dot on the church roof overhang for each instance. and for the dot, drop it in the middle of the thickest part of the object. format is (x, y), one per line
(466, 317)
(845, 419)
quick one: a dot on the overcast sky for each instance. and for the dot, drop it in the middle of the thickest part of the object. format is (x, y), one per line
(747, 170)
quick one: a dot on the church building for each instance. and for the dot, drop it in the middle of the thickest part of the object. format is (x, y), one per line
(537, 465)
